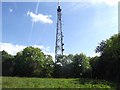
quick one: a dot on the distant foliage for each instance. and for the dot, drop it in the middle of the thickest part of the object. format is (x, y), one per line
(72, 66)
(32, 62)
(7, 64)
(107, 66)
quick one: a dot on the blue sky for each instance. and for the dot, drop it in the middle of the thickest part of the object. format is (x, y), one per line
(85, 24)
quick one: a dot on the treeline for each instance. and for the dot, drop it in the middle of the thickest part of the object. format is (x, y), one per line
(32, 62)
(107, 66)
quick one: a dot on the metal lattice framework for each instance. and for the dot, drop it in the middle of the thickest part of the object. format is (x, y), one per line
(59, 36)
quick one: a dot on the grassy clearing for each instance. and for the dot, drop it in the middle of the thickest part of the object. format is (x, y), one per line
(0, 82)
(17, 82)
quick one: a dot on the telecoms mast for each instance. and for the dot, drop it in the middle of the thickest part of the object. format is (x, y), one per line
(59, 35)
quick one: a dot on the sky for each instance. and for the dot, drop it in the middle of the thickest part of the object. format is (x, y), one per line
(85, 24)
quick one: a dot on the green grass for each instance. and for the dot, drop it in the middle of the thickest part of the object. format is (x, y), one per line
(0, 82)
(17, 82)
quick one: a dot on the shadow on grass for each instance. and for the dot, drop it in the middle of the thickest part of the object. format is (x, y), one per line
(93, 82)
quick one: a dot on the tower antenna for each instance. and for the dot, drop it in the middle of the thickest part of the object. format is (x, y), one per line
(58, 2)
(59, 35)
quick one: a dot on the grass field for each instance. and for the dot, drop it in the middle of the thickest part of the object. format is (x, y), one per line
(0, 82)
(17, 82)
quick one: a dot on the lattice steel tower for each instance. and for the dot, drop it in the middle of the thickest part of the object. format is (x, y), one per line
(59, 35)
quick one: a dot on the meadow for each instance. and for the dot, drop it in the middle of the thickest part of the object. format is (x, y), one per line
(18, 82)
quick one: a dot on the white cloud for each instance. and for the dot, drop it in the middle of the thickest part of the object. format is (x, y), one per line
(83, 4)
(42, 47)
(11, 10)
(52, 54)
(95, 54)
(40, 17)
(13, 49)
(107, 2)
(77, 4)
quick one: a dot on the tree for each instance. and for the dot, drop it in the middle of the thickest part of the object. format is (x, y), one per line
(110, 57)
(48, 66)
(7, 64)
(62, 66)
(100, 49)
(80, 65)
(29, 62)
(67, 67)
(97, 67)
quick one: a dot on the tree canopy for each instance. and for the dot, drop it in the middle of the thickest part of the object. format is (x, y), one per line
(108, 64)
(32, 62)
